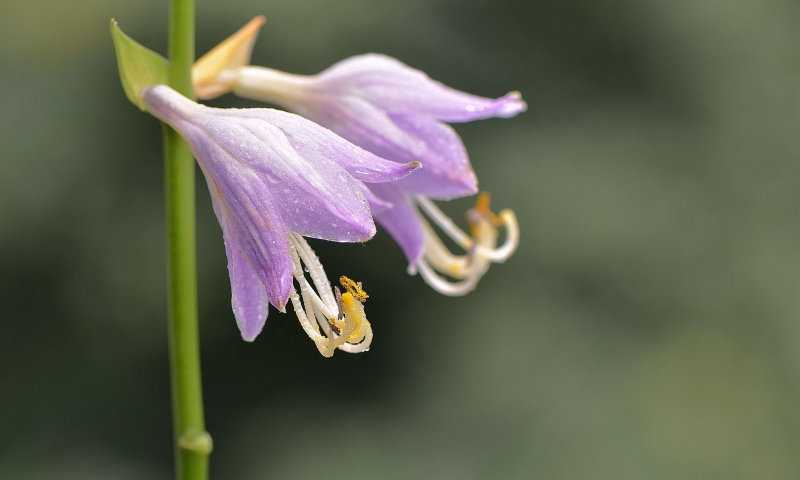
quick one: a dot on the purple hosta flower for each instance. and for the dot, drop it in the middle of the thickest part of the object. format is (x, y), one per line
(398, 113)
(275, 177)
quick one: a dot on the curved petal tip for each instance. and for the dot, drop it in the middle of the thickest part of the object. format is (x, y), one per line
(249, 335)
(510, 105)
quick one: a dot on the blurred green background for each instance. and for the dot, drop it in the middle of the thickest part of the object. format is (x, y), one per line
(648, 326)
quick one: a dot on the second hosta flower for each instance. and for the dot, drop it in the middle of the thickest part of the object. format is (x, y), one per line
(274, 178)
(398, 113)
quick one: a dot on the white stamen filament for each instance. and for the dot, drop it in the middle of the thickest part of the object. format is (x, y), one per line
(446, 287)
(440, 258)
(314, 269)
(504, 252)
(444, 222)
(323, 306)
(481, 248)
(497, 255)
(359, 347)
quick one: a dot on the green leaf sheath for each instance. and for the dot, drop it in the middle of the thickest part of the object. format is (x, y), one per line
(139, 67)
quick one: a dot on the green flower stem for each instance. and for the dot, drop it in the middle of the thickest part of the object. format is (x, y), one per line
(192, 442)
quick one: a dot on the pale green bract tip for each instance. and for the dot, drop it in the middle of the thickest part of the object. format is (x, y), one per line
(139, 67)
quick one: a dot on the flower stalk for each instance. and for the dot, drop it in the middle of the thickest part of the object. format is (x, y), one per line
(192, 442)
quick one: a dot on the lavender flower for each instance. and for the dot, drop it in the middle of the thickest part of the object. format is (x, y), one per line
(398, 113)
(275, 177)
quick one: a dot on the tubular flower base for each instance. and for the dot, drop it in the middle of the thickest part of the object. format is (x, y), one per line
(481, 246)
(275, 177)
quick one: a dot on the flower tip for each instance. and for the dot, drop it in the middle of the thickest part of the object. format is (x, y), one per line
(257, 22)
(212, 73)
(407, 169)
(249, 306)
(464, 183)
(280, 304)
(511, 105)
(249, 327)
(413, 261)
(249, 336)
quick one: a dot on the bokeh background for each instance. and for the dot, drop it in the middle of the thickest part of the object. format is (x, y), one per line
(648, 326)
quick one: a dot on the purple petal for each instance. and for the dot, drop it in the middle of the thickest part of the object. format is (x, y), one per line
(446, 171)
(265, 256)
(397, 88)
(376, 205)
(314, 196)
(311, 140)
(262, 239)
(401, 221)
(308, 193)
(249, 298)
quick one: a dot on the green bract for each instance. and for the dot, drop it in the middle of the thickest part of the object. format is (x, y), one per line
(139, 67)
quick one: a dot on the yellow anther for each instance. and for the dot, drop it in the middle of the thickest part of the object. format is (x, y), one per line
(354, 289)
(354, 313)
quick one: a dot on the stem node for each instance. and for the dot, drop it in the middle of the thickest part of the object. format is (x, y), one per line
(197, 442)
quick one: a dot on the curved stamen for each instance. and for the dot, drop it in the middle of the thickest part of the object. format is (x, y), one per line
(340, 317)
(359, 347)
(444, 222)
(441, 259)
(507, 219)
(509, 246)
(314, 266)
(453, 289)
(481, 247)
(310, 330)
(310, 297)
